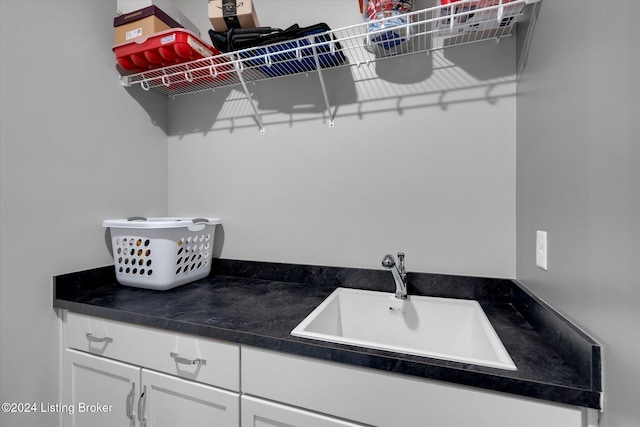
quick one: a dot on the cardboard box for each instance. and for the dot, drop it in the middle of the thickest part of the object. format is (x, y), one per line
(124, 7)
(225, 14)
(143, 22)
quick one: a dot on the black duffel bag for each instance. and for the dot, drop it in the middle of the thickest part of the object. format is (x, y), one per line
(243, 38)
(289, 51)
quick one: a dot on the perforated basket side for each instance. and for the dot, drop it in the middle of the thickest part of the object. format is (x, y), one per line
(161, 258)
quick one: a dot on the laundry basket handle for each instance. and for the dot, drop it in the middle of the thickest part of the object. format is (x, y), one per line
(136, 218)
(197, 220)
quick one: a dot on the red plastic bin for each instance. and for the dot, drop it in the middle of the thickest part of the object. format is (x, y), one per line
(169, 47)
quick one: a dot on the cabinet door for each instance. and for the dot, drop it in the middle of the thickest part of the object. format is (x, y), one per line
(168, 401)
(262, 413)
(101, 392)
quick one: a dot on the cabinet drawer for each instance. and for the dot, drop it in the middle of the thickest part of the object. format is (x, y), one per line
(187, 356)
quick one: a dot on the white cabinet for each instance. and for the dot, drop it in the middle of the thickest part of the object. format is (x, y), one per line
(116, 374)
(104, 392)
(383, 399)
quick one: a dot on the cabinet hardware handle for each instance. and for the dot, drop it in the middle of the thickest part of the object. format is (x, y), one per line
(93, 338)
(141, 407)
(130, 398)
(186, 361)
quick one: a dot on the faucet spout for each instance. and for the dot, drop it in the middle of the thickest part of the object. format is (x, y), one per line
(399, 274)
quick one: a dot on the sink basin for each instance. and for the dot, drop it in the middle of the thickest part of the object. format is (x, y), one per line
(441, 328)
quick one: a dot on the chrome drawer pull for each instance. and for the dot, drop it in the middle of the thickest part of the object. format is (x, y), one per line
(186, 361)
(93, 338)
(129, 405)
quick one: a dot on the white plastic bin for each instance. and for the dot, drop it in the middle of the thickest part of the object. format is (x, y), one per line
(161, 253)
(476, 16)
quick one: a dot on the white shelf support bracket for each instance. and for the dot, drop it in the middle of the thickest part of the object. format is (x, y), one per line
(239, 69)
(322, 84)
(124, 81)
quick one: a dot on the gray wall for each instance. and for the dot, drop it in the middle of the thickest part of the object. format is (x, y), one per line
(421, 158)
(578, 178)
(75, 149)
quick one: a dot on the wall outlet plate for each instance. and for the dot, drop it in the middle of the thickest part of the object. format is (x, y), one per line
(541, 249)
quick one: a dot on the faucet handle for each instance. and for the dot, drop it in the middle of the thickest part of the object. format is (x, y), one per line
(401, 261)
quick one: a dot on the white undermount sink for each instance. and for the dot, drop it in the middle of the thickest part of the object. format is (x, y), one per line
(442, 328)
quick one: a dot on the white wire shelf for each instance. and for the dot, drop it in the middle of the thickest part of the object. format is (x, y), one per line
(458, 23)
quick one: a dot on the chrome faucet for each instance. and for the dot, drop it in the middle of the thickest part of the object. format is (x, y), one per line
(399, 273)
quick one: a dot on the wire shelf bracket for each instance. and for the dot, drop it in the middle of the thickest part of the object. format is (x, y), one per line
(239, 69)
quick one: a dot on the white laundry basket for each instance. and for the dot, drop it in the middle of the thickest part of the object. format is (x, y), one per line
(161, 253)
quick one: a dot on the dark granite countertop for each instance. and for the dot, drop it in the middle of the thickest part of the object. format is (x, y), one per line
(258, 304)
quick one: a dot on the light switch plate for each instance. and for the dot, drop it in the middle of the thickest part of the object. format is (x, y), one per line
(541, 249)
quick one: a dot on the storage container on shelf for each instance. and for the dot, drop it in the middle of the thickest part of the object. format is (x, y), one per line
(161, 253)
(227, 14)
(169, 47)
(476, 15)
(388, 24)
(170, 7)
(143, 22)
